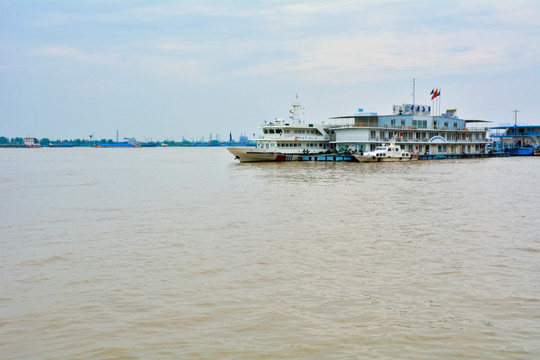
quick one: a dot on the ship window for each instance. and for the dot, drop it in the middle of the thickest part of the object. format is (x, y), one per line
(402, 121)
(271, 131)
(265, 131)
(279, 131)
(287, 131)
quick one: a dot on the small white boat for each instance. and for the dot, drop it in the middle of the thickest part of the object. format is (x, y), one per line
(386, 152)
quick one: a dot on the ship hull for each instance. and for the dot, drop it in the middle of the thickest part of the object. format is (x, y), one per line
(250, 154)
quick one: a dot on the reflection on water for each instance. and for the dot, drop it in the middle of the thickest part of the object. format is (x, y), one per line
(184, 253)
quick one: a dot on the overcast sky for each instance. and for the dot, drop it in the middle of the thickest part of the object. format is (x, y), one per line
(166, 69)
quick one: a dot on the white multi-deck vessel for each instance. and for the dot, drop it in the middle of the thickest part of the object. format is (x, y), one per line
(286, 140)
(415, 130)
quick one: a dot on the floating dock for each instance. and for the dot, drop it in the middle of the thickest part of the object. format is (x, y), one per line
(340, 157)
(461, 156)
(327, 157)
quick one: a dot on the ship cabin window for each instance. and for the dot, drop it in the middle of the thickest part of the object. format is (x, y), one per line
(446, 123)
(265, 131)
(421, 124)
(373, 135)
(279, 131)
(435, 124)
(455, 124)
(287, 131)
(393, 122)
(271, 131)
(403, 122)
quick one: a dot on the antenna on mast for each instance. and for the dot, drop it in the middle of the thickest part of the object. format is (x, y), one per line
(515, 116)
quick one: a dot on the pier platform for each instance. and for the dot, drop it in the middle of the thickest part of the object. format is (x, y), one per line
(342, 157)
(327, 157)
(461, 156)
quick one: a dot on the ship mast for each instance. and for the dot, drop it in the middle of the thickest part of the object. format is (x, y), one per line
(515, 116)
(295, 116)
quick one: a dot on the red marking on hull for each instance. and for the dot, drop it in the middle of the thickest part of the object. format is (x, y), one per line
(281, 157)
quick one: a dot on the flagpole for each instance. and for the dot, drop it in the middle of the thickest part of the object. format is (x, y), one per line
(439, 96)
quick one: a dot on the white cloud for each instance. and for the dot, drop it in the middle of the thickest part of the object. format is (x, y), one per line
(74, 54)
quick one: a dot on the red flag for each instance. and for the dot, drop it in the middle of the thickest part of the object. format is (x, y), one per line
(435, 94)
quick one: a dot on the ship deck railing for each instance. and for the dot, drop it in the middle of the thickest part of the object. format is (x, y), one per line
(412, 128)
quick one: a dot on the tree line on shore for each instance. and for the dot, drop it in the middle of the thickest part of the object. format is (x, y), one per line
(44, 142)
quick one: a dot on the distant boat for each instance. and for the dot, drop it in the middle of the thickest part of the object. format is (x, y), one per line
(129, 143)
(31, 142)
(61, 145)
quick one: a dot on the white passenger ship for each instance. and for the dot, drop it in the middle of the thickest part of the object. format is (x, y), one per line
(287, 140)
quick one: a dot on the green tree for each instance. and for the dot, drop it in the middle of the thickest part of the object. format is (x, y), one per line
(44, 142)
(4, 140)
